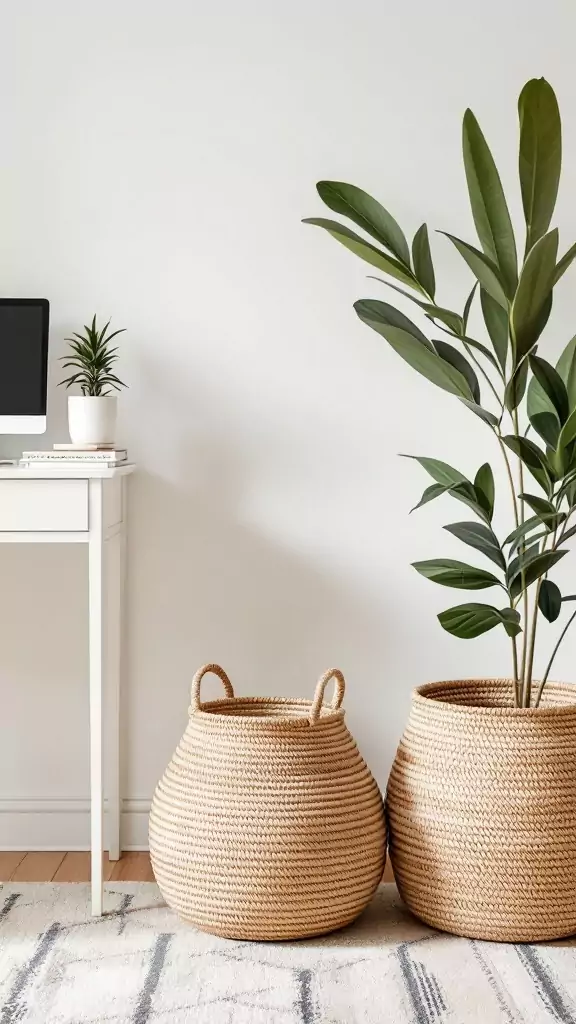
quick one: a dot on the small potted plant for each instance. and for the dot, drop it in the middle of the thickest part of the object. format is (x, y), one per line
(92, 414)
(482, 794)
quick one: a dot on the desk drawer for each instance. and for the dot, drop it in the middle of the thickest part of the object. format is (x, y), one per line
(43, 505)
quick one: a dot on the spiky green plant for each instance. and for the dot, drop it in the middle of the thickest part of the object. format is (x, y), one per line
(503, 378)
(93, 360)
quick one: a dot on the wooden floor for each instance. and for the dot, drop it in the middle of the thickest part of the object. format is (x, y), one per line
(75, 867)
(72, 867)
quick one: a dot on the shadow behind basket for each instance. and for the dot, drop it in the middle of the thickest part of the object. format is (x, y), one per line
(267, 823)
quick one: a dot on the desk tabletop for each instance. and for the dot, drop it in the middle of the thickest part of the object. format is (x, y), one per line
(65, 472)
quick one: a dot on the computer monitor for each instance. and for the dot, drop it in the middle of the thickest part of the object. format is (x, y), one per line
(23, 365)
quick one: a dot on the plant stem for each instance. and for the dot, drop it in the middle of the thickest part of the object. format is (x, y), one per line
(515, 665)
(525, 682)
(532, 643)
(510, 477)
(556, 540)
(517, 691)
(531, 648)
(552, 656)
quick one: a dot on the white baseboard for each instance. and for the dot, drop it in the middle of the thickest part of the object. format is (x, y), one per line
(47, 824)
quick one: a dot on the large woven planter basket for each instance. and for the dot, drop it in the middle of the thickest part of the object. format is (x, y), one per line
(482, 811)
(267, 823)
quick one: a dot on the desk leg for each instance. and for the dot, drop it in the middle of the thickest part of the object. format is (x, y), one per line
(114, 549)
(96, 643)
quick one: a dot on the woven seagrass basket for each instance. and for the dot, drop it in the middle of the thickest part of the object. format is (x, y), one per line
(267, 823)
(481, 810)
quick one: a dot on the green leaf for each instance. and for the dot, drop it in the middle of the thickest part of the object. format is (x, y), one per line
(516, 386)
(422, 257)
(431, 492)
(531, 569)
(517, 535)
(568, 432)
(484, 414)
(547, 425)
(451, 573)
(533, 458)
(549, 600)
(560, 459)
(71, 380)
(541, 411)
(485, 351)
(401, 291)
(540, 156)
(488, 203)
(350, 240)
(484, 270)
(569, 533)
(564, 263)
(114, 333)
(538, 505)
(566, 367)
(441, 472)
(468, 621)
(542, 414)
(534, 539)
(389, 316)
(522, 557)
(367, 213)
(114, 381)
(462, 493)
(552, 384)
(446, 316)
(455, 358)
(455, 482)
(485, 490)
(415, 353)
(533, 300)
(496, 320)
(511, 621)
(468, 306)
(480, 537)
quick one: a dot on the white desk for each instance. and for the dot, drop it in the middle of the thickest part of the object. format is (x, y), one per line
(84, 506)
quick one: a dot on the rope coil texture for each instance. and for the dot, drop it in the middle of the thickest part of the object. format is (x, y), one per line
(481, 808)
(267, 823)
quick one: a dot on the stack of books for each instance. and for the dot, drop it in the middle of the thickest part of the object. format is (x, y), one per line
(77, 456)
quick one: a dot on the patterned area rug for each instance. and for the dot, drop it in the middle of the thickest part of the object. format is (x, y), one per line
(140, 964)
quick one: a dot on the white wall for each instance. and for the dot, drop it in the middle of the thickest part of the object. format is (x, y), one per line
(155, 162)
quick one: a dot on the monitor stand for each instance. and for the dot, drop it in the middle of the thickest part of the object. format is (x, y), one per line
(6, 451)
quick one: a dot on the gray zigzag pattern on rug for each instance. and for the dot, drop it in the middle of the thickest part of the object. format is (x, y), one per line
(386, 961)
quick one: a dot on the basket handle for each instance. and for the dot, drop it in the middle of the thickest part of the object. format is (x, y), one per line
(195, 695)
(332, 673)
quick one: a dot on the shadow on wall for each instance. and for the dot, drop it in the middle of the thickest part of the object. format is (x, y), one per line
(207, 586)
(204, 587)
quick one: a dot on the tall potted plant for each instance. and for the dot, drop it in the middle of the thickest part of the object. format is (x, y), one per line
(482, 794)
(92, 414)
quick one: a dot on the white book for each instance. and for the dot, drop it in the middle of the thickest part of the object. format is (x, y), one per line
(68, 447)
(56, 464)
(117, 455)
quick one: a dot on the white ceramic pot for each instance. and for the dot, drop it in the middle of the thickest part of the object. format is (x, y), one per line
(92, 420)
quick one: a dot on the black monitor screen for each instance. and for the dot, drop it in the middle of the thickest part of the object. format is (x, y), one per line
(23, 356)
